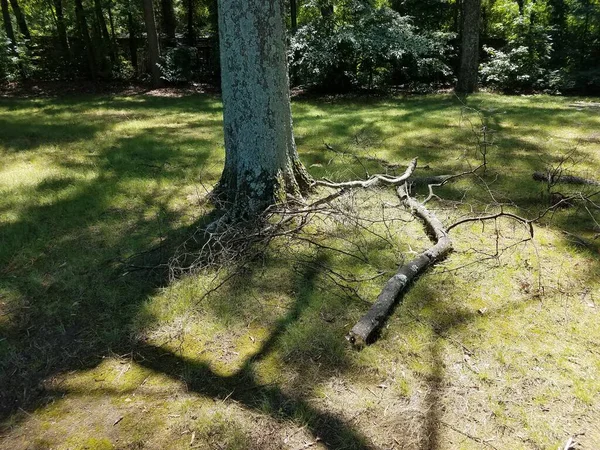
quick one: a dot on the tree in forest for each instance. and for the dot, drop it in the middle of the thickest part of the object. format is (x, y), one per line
(153, 47)
(469, 51)
(61, 28)
(169, 23)
(10, 34)
(22, 24)
(261, 161)
(86, 39)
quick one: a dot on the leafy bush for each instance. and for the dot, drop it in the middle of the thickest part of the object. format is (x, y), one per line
(4, 58)
(178, 64)
(514, 70)
(15, 62)
(364, 50)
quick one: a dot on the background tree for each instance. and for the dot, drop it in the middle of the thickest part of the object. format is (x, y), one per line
(61, 28)
(21, 22)
(169, 24)
(153, 45)
(84, 35)
(469, 50)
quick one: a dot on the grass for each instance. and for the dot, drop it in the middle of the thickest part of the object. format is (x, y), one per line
(500, 352)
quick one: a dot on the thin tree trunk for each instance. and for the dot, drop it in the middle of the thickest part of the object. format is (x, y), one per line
(191, 35)
(20, 19)
(169, 23)
(111, 22)
(10, 33)
(469, 59)
(104, 36)
(61, 28)
(261, 161)
(85, 37)
(132, 41)
(153, 46)
(294, 15)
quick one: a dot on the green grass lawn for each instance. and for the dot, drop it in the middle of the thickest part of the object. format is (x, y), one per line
(484, 352)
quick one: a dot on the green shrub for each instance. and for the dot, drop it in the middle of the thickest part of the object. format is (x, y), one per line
(364, 50)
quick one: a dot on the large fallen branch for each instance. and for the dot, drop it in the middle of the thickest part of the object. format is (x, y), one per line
(567, 179)
(365, 329)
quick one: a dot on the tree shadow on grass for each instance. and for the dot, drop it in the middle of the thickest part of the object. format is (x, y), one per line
(66, 304)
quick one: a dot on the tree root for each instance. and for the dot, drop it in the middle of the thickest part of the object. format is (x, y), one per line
(365, 329)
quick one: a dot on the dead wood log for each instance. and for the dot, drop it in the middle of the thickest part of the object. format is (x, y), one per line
(567, 179)
(433, 179)
(363, 332)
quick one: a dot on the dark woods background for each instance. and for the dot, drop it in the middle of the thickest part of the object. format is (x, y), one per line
(335, 45)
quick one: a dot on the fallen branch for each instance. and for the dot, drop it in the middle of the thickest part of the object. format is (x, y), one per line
(372, 181)
(567, 179)
(365, 329)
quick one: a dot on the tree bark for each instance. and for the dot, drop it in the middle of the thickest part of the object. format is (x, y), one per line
(153, 47)
(104, 36)
(169, 23)
(191, 35)
(85, 37)
(61, 28)
(294, 15)
(567, 179)
(10, 33)
(132, 41)
(469, 59)
(365, 329)
(261, 161)
(20, 19)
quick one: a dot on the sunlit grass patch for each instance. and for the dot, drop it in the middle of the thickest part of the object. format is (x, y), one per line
(501, 347)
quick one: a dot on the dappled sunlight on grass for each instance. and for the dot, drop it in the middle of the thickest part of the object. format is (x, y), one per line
(100, 352)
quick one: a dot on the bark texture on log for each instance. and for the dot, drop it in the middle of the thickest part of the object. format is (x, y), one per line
(568, 179)
(366, 328)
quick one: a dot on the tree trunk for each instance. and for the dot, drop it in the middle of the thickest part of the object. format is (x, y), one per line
(104, 36)
(85, 37)
(261, 161)
(10, 33)
(168, 21)
(153, 47)
(191, 35)
(294, 15)
(132, 41)
(469, 59)
(111, 22)
(20, 19)
(61, 28)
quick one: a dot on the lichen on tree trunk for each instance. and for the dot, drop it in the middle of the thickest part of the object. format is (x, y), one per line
(261, 160)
